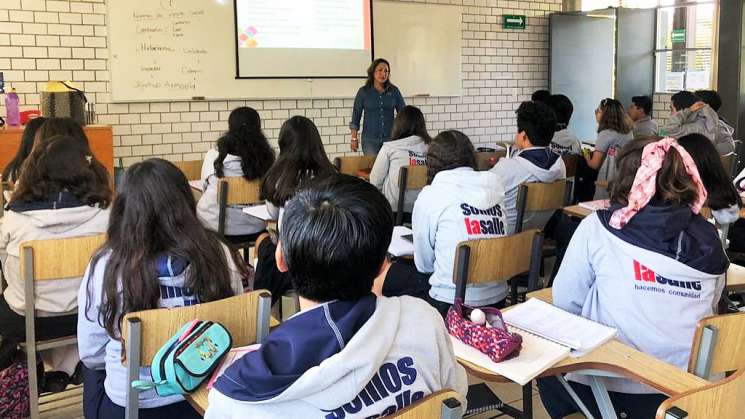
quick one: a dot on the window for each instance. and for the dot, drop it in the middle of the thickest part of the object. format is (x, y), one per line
(684, 40)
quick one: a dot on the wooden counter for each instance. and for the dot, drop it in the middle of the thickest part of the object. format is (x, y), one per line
(100, 138)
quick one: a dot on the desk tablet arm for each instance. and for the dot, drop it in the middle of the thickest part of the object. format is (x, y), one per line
(675, 413)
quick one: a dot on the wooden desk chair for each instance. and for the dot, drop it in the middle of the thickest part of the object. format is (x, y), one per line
(350, 165)
(570, 162)
(442, 404)
(409, 177)
(236, 191)
(721, 400)
(500, 259)
(729, 161)
(538, 197)
(485, 160)
(49, 260)
(245, 316)
(192, 169)
(718, 345)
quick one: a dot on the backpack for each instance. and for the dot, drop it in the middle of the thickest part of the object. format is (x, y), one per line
(187, 359)
(14, 400)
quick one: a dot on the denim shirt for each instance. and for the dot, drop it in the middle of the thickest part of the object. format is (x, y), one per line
(378, 109)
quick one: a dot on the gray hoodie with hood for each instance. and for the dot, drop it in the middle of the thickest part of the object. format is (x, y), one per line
(409, 151)
(704, 121)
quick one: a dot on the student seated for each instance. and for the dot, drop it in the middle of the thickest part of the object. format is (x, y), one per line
(407, 147)
(652, 273)
(348, 353)
(541, 95)
(640, 111)
(301, 159)
(723, 139)
(689, 115)
(242, 151)
(157, 255)
(63, 192)
(614, 131)
(564, 141)
(12, 170)
(534, 161)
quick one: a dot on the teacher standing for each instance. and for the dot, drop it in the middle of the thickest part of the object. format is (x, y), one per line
(377, 99)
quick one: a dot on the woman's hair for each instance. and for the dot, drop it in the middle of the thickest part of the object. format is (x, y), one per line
(371, 72)
(13, 170)
(301, 158)
(721, 191)
(614, 117)
(245, 140)
(62, 163)
(408, 122)
(449, 150)
(674, 186)
(154, 214)
(62, 126)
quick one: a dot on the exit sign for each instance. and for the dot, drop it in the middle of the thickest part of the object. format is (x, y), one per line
(678, 36)
(514, 22)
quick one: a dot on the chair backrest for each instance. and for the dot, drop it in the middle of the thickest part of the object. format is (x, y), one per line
(718, 345)
(235, 191)
(729, 162)
(498, 259)
(350, 165)
(570, 162)
(485, 160)
(192, 169)
(409, 177)
(442, 404)
(45, 260)
(723, 399)
(535, 196)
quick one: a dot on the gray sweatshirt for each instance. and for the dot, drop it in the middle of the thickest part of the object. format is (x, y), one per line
(646, 127)
(609, 142)
(409, 151)
(706, 122)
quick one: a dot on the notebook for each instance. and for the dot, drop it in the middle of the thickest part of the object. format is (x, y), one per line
(595, 205)
(258, 211)
(550, 322)
(232, 356)
(400, 246)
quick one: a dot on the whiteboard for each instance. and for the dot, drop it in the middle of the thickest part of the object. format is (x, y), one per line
(163, 50)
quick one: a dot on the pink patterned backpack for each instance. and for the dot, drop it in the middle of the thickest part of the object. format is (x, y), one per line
(493, 340)
(14, 400)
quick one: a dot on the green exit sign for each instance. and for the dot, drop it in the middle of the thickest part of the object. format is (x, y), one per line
(514, 22)
(678, 36)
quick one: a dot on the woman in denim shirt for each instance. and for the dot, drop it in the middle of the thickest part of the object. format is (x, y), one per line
(378, 98)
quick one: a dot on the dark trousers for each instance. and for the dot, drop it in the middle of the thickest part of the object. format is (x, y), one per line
(403, 279)
(267, 276)
(559, 403)
(96, 404)
(13, 329)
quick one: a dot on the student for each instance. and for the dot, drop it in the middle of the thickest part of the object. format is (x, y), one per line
(640, 111)
(541, 95)
(63, 192)
(723, 139)
(534, 161)
(301, 159)
(242, 151)
(407, 147)
(62, 126)
(689, 115)
(651, 273)
(13, 170)
(157, 254)
(614, 131)
(564, 141)
(458, 204)
(347, 353)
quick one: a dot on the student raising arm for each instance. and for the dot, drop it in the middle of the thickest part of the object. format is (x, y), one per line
(157, 254)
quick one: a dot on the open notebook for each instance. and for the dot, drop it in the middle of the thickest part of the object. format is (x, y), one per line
(401, 242)
(259, 211)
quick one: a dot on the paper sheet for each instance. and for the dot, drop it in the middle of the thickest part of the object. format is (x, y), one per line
(258, 211)
(400, 246)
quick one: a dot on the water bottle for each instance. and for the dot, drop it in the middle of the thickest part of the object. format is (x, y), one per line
(11, 107)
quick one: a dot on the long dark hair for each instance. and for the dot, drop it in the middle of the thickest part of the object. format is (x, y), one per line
(13, 170)
(371, 72)
(245, 140)
(62, 126)
(449, 150)
(62, 163)
(408, 122)
(721, 192)
(301, 157)
(154, 213)
(614, 117)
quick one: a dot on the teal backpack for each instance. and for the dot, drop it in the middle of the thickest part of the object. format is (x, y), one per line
(187, 359)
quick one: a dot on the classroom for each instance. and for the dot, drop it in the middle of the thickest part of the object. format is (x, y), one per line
(372, 208)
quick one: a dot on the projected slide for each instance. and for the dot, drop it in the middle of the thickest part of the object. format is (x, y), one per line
(303, 38)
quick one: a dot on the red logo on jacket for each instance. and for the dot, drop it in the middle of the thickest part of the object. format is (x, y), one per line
(642, 273)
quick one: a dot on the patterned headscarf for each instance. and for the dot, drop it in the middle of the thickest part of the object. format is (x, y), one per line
(645, 182)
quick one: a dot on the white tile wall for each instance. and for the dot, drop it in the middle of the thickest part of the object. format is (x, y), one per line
(44, 40)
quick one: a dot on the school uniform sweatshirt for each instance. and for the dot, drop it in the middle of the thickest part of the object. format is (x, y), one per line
(609, 142)
(99, 351)
(60, 216)
(565, 141)
(652, 280)
(341, 360)
(645, 127)
(393, 155)
(536, 164)
(460, 204)
(704, 121)
(236, 221)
